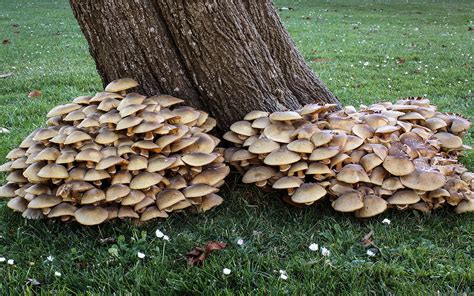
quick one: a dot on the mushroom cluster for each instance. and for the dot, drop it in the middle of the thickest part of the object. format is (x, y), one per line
(402, 155)
(116, 155)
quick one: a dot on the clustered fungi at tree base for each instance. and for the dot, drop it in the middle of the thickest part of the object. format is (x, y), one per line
(116, 155)
(402, 155)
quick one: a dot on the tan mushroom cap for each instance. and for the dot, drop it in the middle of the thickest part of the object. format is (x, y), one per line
(116, 191)
(284, 116)
(243, 128)
(137, 163)
(17, 177)
(263, 146)
(6, 167)
(392, 183)
(373, 205)
(308, 193)
(8, 190)
(50, 153)
(448, 141)
(122, 177)
(133, 198)
(211, 176)
(317, 168)
(424, 180)
(465, 206)
(301, 146)
(160, 163)
(210, 201)
(404, 197)
(106, 137)
(232, 137)
(198, 190)
(147, 126)
(53, 171)
(352, 143)
(167, 100)
(77, 136)
(153, 212)
(281, 157)
(353, 173)
(45, 134)
(92, 196)
(96, 175)
(252, 115)
(279, 132)
(370, 161)
(242, 155)
(459, 124)
(38, 189)
(131, 109)
(398, 165)
(205, 144)
(63, 109)
(348, 202)
(109, 161)
(128, 122)
(66, 157)
(322, 153)
(90, 155)
(121, 85)
(144, 180)
(16, 153)
(169, 197)
(287, 182)
(62, 209)
(91, 215)
(321, 138)
(258, 174)
(363, 131)
(127, 212)
(111, 117)
(435, 123)
(198, 159)
(44, 201)
(18, 204)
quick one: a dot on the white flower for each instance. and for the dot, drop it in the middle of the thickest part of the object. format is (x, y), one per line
(313, 247)
(140, 255)
(11, 261)
(284, 276)
(166, 238)
(325, 252)
(240, 241)
(3, 259)
(226, 271)
(366, 63)
(50, 258)
(386, 221)
(159, 234)
(57, 273)
(370, 253)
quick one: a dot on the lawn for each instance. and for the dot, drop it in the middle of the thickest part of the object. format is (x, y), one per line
(377, 50)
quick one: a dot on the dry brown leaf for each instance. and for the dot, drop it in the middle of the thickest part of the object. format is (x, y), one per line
(367, 239)
(34, 93)
(198, 254)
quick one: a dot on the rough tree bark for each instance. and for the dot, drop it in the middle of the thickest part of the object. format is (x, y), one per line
(227, 57)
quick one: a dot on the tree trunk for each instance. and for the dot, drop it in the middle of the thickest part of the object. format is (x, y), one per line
(225, 57)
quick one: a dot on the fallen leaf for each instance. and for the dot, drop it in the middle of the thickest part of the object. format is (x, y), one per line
(198, 254)
(34, 93)
(5, 75)
(6, 41)
(107, 240)
(367, 239)
(401, 60)
(320, 60)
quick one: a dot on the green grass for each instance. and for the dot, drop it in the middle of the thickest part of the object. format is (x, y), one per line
(420, 254)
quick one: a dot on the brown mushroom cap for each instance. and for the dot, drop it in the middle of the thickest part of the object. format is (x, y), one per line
(96, 175)
(53, 171)
(263, 146)
(322, 153)
(92, 196)
(308, 193)
(252, 115)
(128, 122)
(198, 190)
(448, 141)
(321, 138)
(465, 206)
(353, 173)
(285, 116)
(116, 191)
(210, 201)
(301, 146)
(287, 182)
(62, 209)
(76, 136)
(199, 159)
(8, 190)
(167, 100)
(398, 165)
(348, 202)
(144, 180)
(169, 197)
(133, 198)
(373, 205)
(281, 157)
(18, 204)
(211, 176)
(243, 128)
(258, 174)
(404, 197)
(106, 137)
(424, 180)
(91, 215)
(109, 161)
(121, 85)
(279, 132)
(127, 212)
(63, 109)
(44, 201)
